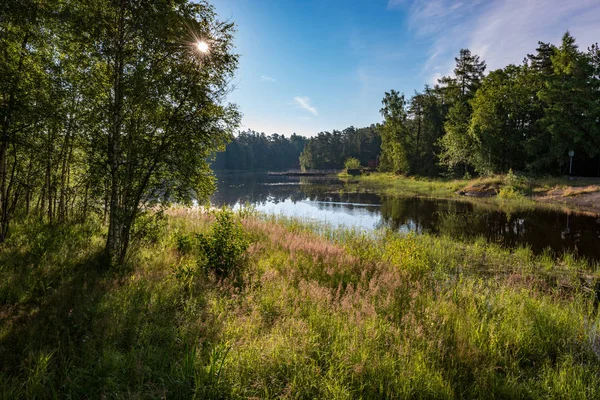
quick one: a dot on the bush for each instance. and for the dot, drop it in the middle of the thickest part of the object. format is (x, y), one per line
(223, 251)
(514, 186)
(352, 163)
(509, 192)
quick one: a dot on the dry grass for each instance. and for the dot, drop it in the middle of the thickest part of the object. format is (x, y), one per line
(576, 191)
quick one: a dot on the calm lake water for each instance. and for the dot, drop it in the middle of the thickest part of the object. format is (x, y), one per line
(322, 199)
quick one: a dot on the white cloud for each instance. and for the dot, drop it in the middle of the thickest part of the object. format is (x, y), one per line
(501, 32)
(304, 103)
(266, 78)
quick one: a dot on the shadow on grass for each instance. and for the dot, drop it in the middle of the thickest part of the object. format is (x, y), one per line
(56, 311)
(71, 327)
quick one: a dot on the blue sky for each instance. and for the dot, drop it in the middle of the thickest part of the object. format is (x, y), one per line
(312, 65)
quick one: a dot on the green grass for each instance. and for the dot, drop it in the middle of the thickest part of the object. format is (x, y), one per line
(313, 312)
(509, 191)
(411, 186)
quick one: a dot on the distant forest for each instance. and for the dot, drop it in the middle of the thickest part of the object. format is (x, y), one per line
(251, 150)
(525, 117)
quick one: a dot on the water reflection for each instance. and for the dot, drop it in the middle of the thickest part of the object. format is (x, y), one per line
(324, 200)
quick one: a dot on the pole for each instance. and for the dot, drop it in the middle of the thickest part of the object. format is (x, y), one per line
(570, 165)
(571, 154)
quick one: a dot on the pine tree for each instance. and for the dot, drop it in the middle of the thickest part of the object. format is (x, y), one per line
(456, 144)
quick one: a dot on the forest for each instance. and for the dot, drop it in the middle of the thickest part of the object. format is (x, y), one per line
(121, 278)
(108, 108)
(254, 151)
(525, 117)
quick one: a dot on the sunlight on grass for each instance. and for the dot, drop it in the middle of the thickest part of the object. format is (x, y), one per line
(311, 312)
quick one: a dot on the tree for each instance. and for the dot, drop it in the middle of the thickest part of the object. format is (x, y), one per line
(468, 73)
(395, 139)
(426, 126)
(330, 149)
(570, 100)
(25, 98)
(541, 62)
(456, 144)
(352, 163)
(161, 106)
(252, 151)
(500, 123)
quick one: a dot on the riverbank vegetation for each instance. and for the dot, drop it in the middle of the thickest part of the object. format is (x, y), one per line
(509, 189)
(110, 108)
(300, 311)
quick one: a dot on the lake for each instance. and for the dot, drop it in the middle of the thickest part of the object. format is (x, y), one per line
(324, 200)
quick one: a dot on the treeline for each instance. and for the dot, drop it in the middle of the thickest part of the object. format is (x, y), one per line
(108, 108)
(251, 150)
(329, 150)
(524, 117)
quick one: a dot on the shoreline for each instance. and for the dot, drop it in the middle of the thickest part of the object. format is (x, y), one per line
(581, 195)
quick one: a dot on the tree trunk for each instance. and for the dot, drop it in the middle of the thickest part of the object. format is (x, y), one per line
(115, 217)
(63, 174)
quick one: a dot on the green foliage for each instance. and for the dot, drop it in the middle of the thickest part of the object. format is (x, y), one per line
(256, 151)
(501, 121)
(329, 150)
(524, 117)
(514, 187)
(103, 113)
(395, 138)
(571, 106)
(352, 163)
(223, 251)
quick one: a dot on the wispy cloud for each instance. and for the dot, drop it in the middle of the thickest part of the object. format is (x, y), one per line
(395, 4)
(304, 103)
(500, 32)
(266, 78)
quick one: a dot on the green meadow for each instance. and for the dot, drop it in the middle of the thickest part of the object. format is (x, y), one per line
(220, 305)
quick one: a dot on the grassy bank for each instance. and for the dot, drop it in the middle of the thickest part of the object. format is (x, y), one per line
(280, 309)
(507, 190)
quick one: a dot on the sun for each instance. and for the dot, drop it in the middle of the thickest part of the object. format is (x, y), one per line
(202, 46)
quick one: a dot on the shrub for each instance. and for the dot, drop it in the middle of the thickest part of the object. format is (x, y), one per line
(352, 163)
(223, 251)
(184, 243)
(509, 192)
(514, 187)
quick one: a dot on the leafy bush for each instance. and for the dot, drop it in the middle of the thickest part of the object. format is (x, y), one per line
(514, 186)
(223, 251)
(184, 243)
(352, 163)
(509, 192)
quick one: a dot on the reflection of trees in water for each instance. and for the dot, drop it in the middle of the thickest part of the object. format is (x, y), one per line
(260, 188)
(538, 229)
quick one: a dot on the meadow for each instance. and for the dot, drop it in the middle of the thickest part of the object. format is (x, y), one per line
(219, 305)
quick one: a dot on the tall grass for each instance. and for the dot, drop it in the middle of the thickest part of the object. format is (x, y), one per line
(316, 313)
